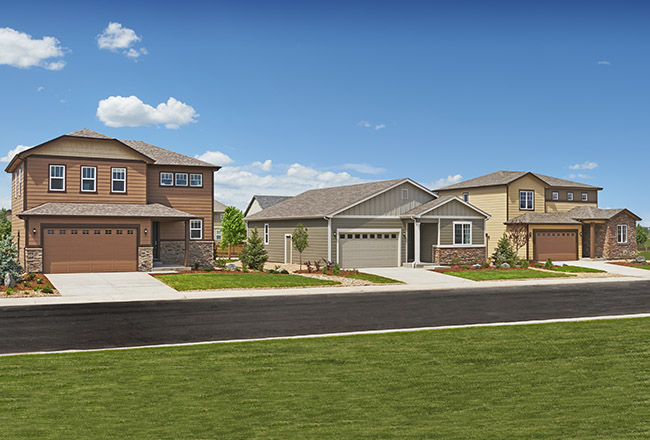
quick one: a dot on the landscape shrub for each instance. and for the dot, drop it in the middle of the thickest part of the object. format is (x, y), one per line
(336, 270)
(504, 253)
(47, 289)
(524, 264)
(548, 264)
(9, 259)
(284, 271)
(254, 255)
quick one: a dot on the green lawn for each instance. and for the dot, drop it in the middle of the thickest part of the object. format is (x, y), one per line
(486, 275)
(584, 380)
(373, 278)
(208, 281)
(645, 254)
(577, 269)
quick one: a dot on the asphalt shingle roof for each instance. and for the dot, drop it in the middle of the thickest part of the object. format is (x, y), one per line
(544, 218)
(218, 206)
(505, 177)
(593, 213)
(106, 210)
(268, 201)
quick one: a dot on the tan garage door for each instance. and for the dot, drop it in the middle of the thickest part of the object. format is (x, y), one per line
(88, 249)
(556, 245)
(367, 249)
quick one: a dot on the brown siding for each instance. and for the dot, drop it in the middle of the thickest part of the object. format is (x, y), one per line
(195, 201)
(577, 196)
(38, 181)
(17, 201)
(88, 148)
(316, 228)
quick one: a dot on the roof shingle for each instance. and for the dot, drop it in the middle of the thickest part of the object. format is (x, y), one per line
(106, 210)
(505, 177)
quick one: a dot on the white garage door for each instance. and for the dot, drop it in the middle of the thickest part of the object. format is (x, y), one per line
(368, 249)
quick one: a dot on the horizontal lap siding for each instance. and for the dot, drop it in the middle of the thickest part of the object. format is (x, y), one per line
(316, 228)
(592, 197)
(17, 200)
(566, 206)
(368, 223)
(89, 149)
(447, 232)
(38, 174)
(195, 201)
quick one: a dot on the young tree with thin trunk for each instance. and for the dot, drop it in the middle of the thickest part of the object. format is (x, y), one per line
(300, 240)
(233, 228)
(518, 235)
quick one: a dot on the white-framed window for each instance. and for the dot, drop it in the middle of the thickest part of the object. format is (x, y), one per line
(196, 179)
(221, 217)
(527, 200)
(166, 179)
(57, 177)
(569, 196)
(555, 195)
(118, 180)
(465, 197)
(266, 233)
(462, 233)
(196, 229)
(217, 234)
(585, 197)
(88, 179)
(405, 193)
(621, 234)
(181, 179)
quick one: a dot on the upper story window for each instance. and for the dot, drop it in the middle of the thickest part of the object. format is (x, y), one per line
(118, 180)
(196, 229)
(88, 179)
(266, 233)
(569, 196)
(621, 234)
(166, 179)
(217, 234)
(181, 179)
(57, 177)
(462, 233)
(196, 179)
(585, 197)
(555, 195)
(527, 200)
(465, 197)
(405, 194)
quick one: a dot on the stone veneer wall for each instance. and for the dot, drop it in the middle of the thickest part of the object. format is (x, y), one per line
(467, 255)
(33, 260)
(173, 252)
(145, 258)
(606, 237)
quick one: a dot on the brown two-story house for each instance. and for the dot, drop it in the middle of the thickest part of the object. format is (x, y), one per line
(86, 202)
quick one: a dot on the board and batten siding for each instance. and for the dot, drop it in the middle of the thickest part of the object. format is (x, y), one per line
(492, 200)
(391, 202)
(193, 200)
(38, 174)
(368, 223)
(316, 228)
(447, 231)
(453, 208)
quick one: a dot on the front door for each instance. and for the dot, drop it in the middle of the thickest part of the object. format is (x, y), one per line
(155, 240)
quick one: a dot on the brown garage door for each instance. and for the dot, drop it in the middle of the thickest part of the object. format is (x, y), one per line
(100, 249)
(556, 245)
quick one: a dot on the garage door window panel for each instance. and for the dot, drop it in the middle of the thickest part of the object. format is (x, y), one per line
(196, 229)
(57, 177)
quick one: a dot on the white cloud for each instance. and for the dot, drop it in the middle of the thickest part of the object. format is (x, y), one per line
(603, 63)
(379, 127)
(19, 49)
(264, 166)
(363, 168)
(449, 180)
(584, 166)
(10, 155)
(5, 203)
(579, 176)
(364, 124)
(118, 111)
(116, 37)
(40, 89)
(646, 223)
(215, 157)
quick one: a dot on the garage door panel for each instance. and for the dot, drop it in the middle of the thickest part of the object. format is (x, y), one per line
(556, 245)
(367, 249)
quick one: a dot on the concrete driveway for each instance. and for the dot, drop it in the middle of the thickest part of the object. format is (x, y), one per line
(112, 286)
(419, 277)
(611, 268)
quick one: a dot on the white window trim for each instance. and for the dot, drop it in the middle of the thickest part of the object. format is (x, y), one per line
(161, 179)
(569, 196)
(63, 178)
(94, 179)
(113, 179)
(405, 193)
(187, 177)
(532, 208)
(470, 233)
(200, 229)
(555, 195)
(217, 234)
(585, 197)
(196, 174)
(267, 233)
(621, 228)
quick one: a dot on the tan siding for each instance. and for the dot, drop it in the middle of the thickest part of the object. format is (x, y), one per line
(88, 148)
(35, 240)
(566, 206)
(525, 183)
(317, 230)
(195, 201)
(391, 203)
(492, 200)
(577, 197)
(368, 223)
(38, 181)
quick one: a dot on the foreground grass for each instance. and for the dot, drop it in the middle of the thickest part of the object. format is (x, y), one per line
(373, 278)
(488, 275)
(646, 254)
(208, 281)
(573, 380)
(577, 269)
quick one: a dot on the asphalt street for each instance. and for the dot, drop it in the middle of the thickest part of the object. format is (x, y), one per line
(91, 326)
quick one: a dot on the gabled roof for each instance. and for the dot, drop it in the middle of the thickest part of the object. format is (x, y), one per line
(437, 203)
(592, 213)
(506, 177)
(544, 218)
(575, 216)
(218, 206)
(325, 202)
(265, 201)
(106, 210)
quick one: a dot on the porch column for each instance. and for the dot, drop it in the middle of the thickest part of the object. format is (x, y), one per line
(187, 243)
(417, 241)
(592, 230)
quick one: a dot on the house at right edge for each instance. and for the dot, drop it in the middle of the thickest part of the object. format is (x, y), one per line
(562, 216)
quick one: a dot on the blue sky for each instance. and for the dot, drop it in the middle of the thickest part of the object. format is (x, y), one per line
(293, 95)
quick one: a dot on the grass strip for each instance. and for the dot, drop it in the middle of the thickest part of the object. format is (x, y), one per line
(577, 269)
(209, 281)
(373, 278)
(508, 274)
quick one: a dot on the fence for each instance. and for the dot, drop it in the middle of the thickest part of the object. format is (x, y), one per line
(223, 253)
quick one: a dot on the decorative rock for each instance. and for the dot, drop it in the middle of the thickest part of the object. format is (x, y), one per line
(640, 259)
(230, 267)
(505, 266)
(476, 266)
(9, 280)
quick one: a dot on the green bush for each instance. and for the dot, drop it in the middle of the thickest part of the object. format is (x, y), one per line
(39, 281)
(208, 268)
(9, 259)
(26, 284)
(30, 276)
(504, 253)
(548, 264)
(220, 263)
(47, 289)
(324, 270)
(524, 264)
(464, 267)
(284, 271)
(336, 270)
(254, 254)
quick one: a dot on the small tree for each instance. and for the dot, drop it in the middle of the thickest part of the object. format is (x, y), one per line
(504, 253)
(233, 228)
(254, 254)
(300, 239)
(5, 224)
(641, 235)
(9, 259)
(518, 235)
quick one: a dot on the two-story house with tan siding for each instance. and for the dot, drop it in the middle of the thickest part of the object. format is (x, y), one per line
(561, 216)
(86, 202)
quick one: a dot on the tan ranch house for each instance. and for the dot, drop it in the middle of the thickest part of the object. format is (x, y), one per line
(377, 224)
(86, 202)
(561, 216)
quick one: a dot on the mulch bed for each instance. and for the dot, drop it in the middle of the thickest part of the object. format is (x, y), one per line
(460, 269)
(626, 263)
(342, 273)
(22, 291)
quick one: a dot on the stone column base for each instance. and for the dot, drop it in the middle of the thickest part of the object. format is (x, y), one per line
(145, 259)
(173, 252)
(33, 260)
(467, 255)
